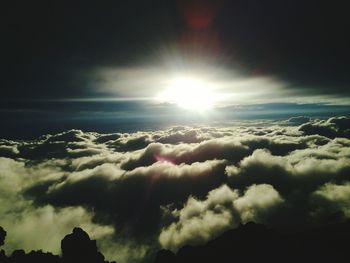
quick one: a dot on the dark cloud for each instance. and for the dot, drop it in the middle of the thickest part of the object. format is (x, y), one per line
(132, 199)
(230, 148)
(174, 187)
(301, 42)
(53, 46)
(333, 127)
(50, 50)
(183, 153)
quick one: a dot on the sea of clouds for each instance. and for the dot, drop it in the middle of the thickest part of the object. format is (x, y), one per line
(138, 192)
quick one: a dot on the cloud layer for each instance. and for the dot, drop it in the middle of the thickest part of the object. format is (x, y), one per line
(136, 192)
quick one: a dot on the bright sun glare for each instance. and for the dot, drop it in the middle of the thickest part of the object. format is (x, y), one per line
(189, 93)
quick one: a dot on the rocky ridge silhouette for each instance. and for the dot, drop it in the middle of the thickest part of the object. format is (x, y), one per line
(248, 243)
(76, 247)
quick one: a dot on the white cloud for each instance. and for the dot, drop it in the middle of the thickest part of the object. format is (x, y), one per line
(200, 221)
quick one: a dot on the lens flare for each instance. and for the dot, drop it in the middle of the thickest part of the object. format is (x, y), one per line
(163, 159)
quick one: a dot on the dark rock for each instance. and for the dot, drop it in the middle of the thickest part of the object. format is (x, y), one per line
(77, 247)
(2, 236)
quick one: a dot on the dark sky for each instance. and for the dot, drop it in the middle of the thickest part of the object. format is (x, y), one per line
(49, 47)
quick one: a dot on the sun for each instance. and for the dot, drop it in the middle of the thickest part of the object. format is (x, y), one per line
(189, 93)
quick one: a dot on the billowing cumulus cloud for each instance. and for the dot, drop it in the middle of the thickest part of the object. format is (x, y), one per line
(333, 127)
(199, 221)
(137, 192)
(132, 198)
(333, 198)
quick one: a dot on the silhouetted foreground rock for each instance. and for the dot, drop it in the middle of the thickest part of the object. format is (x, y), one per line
(19, 256)
(76, 247)
(248, 243)
(256, 243)
(2, 239)
(2, 236)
